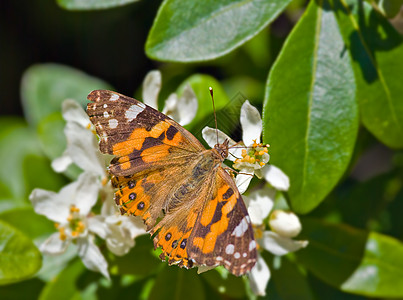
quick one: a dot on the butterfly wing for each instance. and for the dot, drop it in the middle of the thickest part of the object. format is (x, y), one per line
(140, 137)
(223, 234)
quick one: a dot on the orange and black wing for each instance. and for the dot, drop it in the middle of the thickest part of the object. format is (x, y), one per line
(223, 233)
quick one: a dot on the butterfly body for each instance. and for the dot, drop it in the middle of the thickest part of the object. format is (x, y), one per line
(189, 203)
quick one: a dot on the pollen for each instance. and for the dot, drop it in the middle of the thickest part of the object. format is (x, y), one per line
(74, 209)
(62, 234)
(262, 163)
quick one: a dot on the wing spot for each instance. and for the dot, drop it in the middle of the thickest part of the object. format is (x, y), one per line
(133, 112)
(241, 228)
(114, 97)
(133, 196)
(168, 236)
(247, 219)
(174, 244)
(106, 114)
(252, 245)
(183, 244)
(237, 255)
(141, 205)
(105, 105)
(229, 249)
(171, 132)
(131, 184)
(113, 123)
(142, 105)
(219, 258)
(245, 254)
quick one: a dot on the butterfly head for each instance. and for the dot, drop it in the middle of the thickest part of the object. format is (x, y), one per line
(222, 149)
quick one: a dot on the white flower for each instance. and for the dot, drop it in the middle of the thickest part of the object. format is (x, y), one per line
(118, 231)
(70, 210)
(182, 109)
(253, 158)
(82, 145)
(284, 225)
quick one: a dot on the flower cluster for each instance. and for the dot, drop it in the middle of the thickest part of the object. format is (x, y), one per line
(72, 208)
(251, 158)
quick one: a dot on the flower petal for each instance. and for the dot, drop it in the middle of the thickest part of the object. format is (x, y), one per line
(54, 206)
(74, 113)
(86, 193)
(285, 223)
(259, 277)
(277, 178)
(187, 106)
(259, 204)
(251, 123)
(210, 136)
(82, 147)
(279, 245)
(243, 179)
(151, 88)
(54, 245)
(91, 256)
(97, 225)
(61, 163)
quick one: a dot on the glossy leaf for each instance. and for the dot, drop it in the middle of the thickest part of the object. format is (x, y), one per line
(92, 4)
(45, 86)
(28, 222)
(175, 283)
(201, 30)
(310, 115)
(17, 143)
(225, 283)
(65, 284)
(200, 84)
(377, 51)
(355, 261)
(19, 257)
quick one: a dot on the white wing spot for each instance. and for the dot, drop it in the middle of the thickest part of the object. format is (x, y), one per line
(252, 245)
(106, 114)
(132, 112)
(113, 123)
(241, 228)
(247, 219)
(227, 262)
(237, 255)
(114, 97)
(245, 254)
(105, 105)
(141, 104)
(230, 249)
(219, 258)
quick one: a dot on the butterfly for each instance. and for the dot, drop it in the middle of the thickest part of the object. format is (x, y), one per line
(162, 173)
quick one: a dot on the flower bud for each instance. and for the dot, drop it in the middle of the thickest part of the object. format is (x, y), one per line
(285, 223)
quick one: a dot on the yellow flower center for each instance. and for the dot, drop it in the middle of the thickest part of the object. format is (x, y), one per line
(253, 154)
(75, 224)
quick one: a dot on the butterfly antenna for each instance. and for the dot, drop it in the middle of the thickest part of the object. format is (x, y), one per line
(215, 116)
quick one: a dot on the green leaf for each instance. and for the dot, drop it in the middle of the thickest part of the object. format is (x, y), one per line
(175, 283)
(225, 283)
(27, 289)
(310, 115)
(140, 261)
(200, 84)
(16, 144)
(377, 51)
(92, 4)
(355, 261)
(19, 258)
(185, 31)
(390, 7)
(289, 281)
(28, 222)
(65, 284)
(45, 86)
